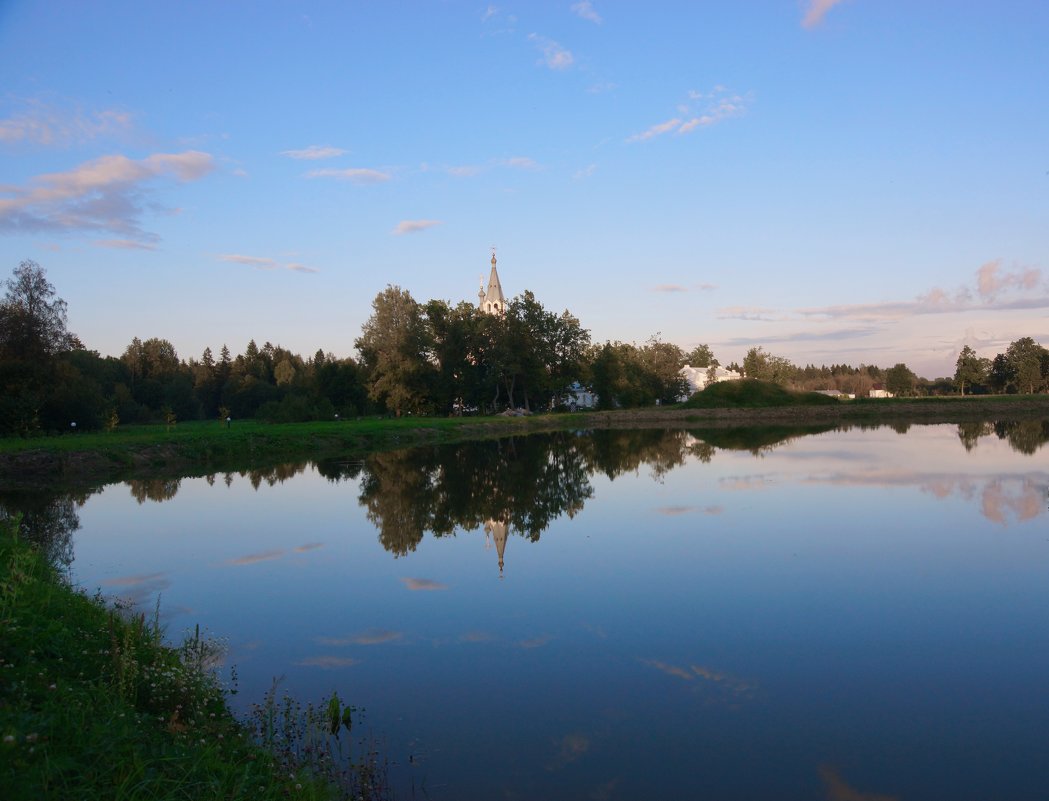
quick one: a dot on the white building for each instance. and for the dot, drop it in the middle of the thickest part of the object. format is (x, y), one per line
(699, 377)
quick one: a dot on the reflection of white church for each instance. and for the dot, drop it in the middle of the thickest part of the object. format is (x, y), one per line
(495, 532)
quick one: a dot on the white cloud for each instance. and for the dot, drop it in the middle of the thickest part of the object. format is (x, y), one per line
(585, 172)
(816, 10)
(414, 226)
(314, 152)
(489, 12)
(41, 124)
(463, 171)
(357, 175)
(300, 268)
(555, 56)
(585, 10)
(108, 194)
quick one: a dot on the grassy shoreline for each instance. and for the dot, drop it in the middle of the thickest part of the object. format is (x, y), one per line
(94, 706)
(210, 446)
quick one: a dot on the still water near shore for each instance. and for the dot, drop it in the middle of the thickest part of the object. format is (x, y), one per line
(625, 614)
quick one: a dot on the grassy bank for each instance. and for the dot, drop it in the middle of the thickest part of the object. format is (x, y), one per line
(93, 705)
(209, 446)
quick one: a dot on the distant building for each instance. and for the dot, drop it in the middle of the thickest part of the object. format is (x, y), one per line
(879, 391)
(492, 300)
(834, 393)
(699, 377)
(578, 397)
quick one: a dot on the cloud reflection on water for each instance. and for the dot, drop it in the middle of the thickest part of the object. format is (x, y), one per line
(422, 584)
(369, 637)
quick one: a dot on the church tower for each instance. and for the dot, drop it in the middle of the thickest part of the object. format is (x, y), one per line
(492, 301)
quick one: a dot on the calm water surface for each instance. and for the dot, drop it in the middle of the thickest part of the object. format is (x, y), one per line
(854, 614)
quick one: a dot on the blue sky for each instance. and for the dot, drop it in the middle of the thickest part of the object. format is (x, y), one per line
(836, 180)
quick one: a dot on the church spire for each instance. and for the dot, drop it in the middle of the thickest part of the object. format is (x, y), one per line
(492, 301)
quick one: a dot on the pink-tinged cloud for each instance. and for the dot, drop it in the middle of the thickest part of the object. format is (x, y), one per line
(992, 280)
(254, 558)
(44, 125)
(656, 130)
(265, 263)
(998, 290)
(585, 10)
(423, 585)
(414, 226)
(258, 262)
(816, 11)
(700, 110)
(356, 175)
(124, 244)
(328, 662)
(314, 153)
(669, 288)
(555, 56)
(108, 194)
(309, 546)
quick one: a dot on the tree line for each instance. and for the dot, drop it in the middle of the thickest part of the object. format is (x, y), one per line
(420, 358)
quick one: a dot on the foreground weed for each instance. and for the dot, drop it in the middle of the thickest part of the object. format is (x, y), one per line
(317, 740)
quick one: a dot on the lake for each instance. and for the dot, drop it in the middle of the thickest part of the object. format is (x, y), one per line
(845, 614)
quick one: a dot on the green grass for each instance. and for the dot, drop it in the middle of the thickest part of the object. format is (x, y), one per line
(93, 706)
(749, 393)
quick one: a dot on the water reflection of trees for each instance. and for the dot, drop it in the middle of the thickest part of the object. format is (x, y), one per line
(164, 489)
(48, 520)
(1023, 436)
(524, 483)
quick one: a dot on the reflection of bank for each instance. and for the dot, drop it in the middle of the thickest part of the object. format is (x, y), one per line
(496, 531)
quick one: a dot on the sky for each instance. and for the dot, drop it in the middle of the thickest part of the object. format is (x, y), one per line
(857, 181)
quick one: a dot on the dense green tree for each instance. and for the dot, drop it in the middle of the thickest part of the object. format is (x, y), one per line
(701, 356)
(663, 362)
(393, 349)
(1001, 377)
(32, 316)
(1026, 358)
(900, 381)
(970, 369)
(766, 367)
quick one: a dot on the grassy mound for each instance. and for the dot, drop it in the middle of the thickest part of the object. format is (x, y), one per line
(749, 393)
